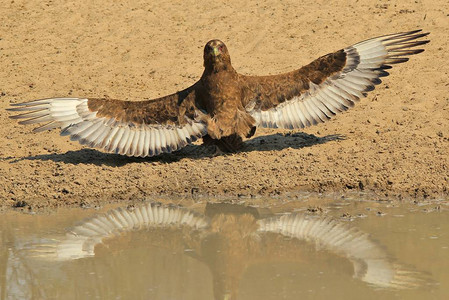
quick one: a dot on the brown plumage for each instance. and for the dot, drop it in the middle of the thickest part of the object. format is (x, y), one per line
(224, 106)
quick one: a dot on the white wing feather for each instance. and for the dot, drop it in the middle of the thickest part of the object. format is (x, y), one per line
(365, 64)
(75, 119)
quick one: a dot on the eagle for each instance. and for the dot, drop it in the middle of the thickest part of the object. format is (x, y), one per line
(229, 239)
(223, 106)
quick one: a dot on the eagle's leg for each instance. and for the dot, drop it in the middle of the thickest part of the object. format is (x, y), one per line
(251, 132)
(231, 143)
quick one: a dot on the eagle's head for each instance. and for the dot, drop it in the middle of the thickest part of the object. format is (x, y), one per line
(216, 56)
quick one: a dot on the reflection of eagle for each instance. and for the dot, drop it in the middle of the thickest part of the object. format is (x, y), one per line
(229, 243)
(223, 106)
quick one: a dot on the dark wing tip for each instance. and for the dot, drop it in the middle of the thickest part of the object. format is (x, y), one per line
(412, 31)
(415, 32)
(381, 73)
(15, 117)
(416, 51)
(376, 81)
(19, 103)
(422, 42)
(420, 35)
(28, 103)
(396, 60)
(369, 88)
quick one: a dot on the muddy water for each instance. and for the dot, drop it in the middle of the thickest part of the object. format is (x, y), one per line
(327, 249)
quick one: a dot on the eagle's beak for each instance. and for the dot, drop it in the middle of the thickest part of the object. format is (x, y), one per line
(216, 51)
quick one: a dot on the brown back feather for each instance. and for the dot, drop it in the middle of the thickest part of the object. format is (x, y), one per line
(168, 110)
(266, 92)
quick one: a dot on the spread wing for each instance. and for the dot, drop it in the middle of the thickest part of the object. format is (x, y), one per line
(81, 240)
(132, 128)
(328, 85)
(370, 261)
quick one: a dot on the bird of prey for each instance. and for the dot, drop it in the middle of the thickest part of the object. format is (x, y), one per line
(228, 242)
(223, 106)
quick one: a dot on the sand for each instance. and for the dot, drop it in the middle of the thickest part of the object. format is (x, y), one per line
(393, 145)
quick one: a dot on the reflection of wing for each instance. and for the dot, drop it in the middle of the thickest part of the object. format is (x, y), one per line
(370, 261)
(133, 128)
(328, 85)
(81, 240)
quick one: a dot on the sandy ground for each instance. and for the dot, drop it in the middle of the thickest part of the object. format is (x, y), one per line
(394, 144)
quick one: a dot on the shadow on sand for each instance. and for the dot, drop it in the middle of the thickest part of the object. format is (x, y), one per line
(273, 142)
